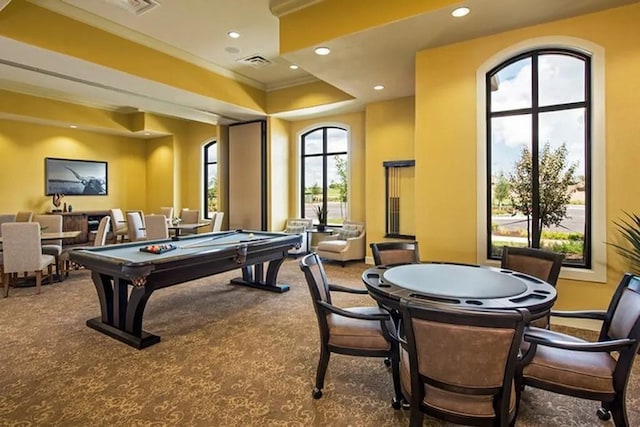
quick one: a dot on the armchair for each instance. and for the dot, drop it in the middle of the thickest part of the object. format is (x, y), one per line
(599, 370)
(345, 245)
(299, 226)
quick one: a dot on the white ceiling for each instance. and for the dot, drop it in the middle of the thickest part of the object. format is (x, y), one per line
(381, 55)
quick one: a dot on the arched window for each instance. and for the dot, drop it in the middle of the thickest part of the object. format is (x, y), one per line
(210, 179)
(324, 174)
(538, 154)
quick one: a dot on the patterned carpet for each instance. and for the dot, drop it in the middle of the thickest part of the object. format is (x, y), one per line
(229, 356)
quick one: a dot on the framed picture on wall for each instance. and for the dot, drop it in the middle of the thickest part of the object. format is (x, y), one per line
(75, 177)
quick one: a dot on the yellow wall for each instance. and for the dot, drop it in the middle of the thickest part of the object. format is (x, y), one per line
(390, 136)
(355, 123)
(446, 137)
(24, 147)
(278, 159)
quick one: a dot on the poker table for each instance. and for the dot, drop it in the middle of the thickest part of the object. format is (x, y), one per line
(459, 285)
(125, 275)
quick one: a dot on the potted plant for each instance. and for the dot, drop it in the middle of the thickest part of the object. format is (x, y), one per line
(321, 213)
(630, 230)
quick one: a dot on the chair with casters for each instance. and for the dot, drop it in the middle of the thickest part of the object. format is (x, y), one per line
(540, 263)
(355, 331)
(599, 370)
(118, 225)
(298, 226)
(395, 253)
(459, 365)
(348, 243)
(22, 252)
(24, 216)
(51, 224)
(135, 227)
(156, 227)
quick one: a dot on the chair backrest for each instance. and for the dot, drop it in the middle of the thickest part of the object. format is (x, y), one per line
(544, 265)
(190, 216)
(135, 227)
(24, 216)
(156, 227)
(140, 212)
(6, 218)
(298, 225)
(216, 221)
(22, 250)
(50, 224)
(316, 279)
(103, 229)
(167, 211)
(117, 219)
(392, 253)
(464, 352)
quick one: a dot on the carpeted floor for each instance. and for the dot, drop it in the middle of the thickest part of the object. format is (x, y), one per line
(229, 356)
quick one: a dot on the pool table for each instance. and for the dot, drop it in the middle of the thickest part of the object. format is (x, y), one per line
(125, 275)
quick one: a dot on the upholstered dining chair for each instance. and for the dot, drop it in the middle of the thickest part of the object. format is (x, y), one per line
(135, 227)
(6, 218)
(393, 253)
(189, 216)
(51, 224)
(156, 227)
(459, 365)
(118, 225)
(22, 252)
(216, 221)
(100, 239)
(599, 370)
(355, 331)
(543, 264)
(167, 211)
(24, 216)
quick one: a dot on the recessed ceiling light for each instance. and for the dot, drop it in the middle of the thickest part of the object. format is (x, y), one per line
(378, 87)
(233, 34)
(147, 133)
(322, 50)
(460, 12)
(73, 126)
(293, 66)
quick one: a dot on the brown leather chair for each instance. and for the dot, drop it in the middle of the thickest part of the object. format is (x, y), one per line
(355, 331)
(394, 253)
(568, 365)
(459, 365)
(543, 264)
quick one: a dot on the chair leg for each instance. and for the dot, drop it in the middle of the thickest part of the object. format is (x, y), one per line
(396, 403)
(417, 417)
(38, 281)
(619, 412)
(322, 370)
(6, 277)
(50, 270)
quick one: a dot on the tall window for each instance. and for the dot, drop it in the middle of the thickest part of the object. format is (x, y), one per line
(210, 179)
(324, 174)
(538, 154)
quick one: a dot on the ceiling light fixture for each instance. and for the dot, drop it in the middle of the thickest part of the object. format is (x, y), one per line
(378, 87)
(460, 12)
(322, 51)
(233, 34)
(73, 126)
(293, 66)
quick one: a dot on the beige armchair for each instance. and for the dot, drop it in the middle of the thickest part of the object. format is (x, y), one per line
(299, 226)
(346, 244)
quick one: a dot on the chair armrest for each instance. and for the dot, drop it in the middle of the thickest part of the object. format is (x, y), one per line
(550, 339)
(582, 314)
(351, 314)
(339, 288)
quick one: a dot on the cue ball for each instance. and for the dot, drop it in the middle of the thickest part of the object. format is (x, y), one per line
(251, 235)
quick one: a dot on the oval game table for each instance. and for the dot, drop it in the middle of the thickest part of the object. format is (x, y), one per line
(459, 285)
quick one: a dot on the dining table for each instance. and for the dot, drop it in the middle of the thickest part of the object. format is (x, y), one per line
(188, 227)
(57, 235)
